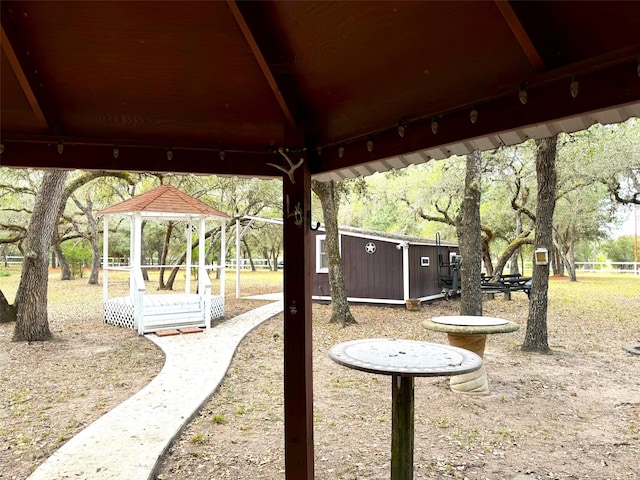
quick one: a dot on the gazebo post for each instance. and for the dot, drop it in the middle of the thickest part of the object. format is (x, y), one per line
(298, 348)
(223, 255)
(135, 275)
(105, 258)
(187, 282)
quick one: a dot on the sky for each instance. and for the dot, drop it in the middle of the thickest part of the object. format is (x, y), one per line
(628, 227)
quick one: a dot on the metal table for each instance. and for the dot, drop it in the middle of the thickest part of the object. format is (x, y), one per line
(470, 332)
(404, 360)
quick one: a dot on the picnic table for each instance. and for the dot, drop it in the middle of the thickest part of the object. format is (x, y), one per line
(404, 360)
(506, 284)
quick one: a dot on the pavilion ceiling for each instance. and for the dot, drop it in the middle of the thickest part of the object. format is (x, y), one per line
(174, 84)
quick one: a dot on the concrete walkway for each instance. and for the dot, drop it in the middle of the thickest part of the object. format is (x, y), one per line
(127, 442)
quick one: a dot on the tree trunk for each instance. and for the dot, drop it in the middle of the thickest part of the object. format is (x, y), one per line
(486, 259)
(95, 247)
(508, 253)
(247, 252)
(32, 323)
(163, 257)
(470, 239)
(65, 270)
(536, 334)
(571, 261)
(341, 313)
(7, 312)
(514, 269)
(143, 255)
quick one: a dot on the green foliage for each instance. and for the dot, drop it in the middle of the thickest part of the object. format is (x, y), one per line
(78, 255)
(620, 249)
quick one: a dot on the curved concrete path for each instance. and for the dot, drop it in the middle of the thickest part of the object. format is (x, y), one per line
(127, 442)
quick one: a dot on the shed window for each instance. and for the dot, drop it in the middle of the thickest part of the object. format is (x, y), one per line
(322, 261)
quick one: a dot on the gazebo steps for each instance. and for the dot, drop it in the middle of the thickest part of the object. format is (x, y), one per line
(156, 327)
(163, 311)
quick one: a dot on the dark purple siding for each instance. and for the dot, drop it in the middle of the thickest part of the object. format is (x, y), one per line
(423, 281)
(379, 275)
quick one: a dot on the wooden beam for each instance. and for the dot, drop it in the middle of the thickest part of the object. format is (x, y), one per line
(149, 159)
(521, 35)
(298, 347)
(257, 53)
(604, 89)
(26, 73)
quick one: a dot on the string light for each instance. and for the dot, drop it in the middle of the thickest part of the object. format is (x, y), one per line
(522, 94)
(319, 150)
(370, 145)
(60, 146)
(574, 88)
(1, 148)
(222, 154)
(116, 152)
(639, 67)
(473, 115)
(434, 125)
(401, 129)
(341, 151)
(169, 153)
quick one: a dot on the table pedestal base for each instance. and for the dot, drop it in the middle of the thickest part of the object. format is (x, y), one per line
(474, 383)
(402, 427)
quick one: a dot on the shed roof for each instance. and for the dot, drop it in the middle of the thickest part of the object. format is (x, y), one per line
(167, 202)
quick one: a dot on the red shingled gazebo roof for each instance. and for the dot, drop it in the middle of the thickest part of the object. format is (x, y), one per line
(165, 201)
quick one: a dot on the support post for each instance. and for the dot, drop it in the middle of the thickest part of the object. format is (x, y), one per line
(238, 257)
(298, 380)
(402, 426)
(105, 258)
(187, 282)
(223, 256)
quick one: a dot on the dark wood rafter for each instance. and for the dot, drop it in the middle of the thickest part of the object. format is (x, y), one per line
(521, 35)
(26, 73)
(264, 66)
(132, 158)
(618, 84)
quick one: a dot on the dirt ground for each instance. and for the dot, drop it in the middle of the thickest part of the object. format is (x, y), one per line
(574, 414)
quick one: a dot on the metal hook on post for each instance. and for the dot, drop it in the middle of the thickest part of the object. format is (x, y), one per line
(311, 227)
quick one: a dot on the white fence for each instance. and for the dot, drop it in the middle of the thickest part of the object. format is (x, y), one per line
(602, 267)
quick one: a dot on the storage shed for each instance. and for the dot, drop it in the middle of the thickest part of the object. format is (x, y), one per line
(384, 268)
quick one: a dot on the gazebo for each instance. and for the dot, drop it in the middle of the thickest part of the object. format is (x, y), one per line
(151, 313)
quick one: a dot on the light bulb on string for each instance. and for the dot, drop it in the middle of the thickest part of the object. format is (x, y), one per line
(222, 154)
(473, 115)
(522, 94)
(401, 129)
(341, 151)
(60, 146)
(370, 145)
(1, 148)
(116, 152)
(434, 125)
(170, 153)
(574, 87)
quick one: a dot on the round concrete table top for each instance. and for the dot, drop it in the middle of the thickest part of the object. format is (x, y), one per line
(404, 357)
(470, 325)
